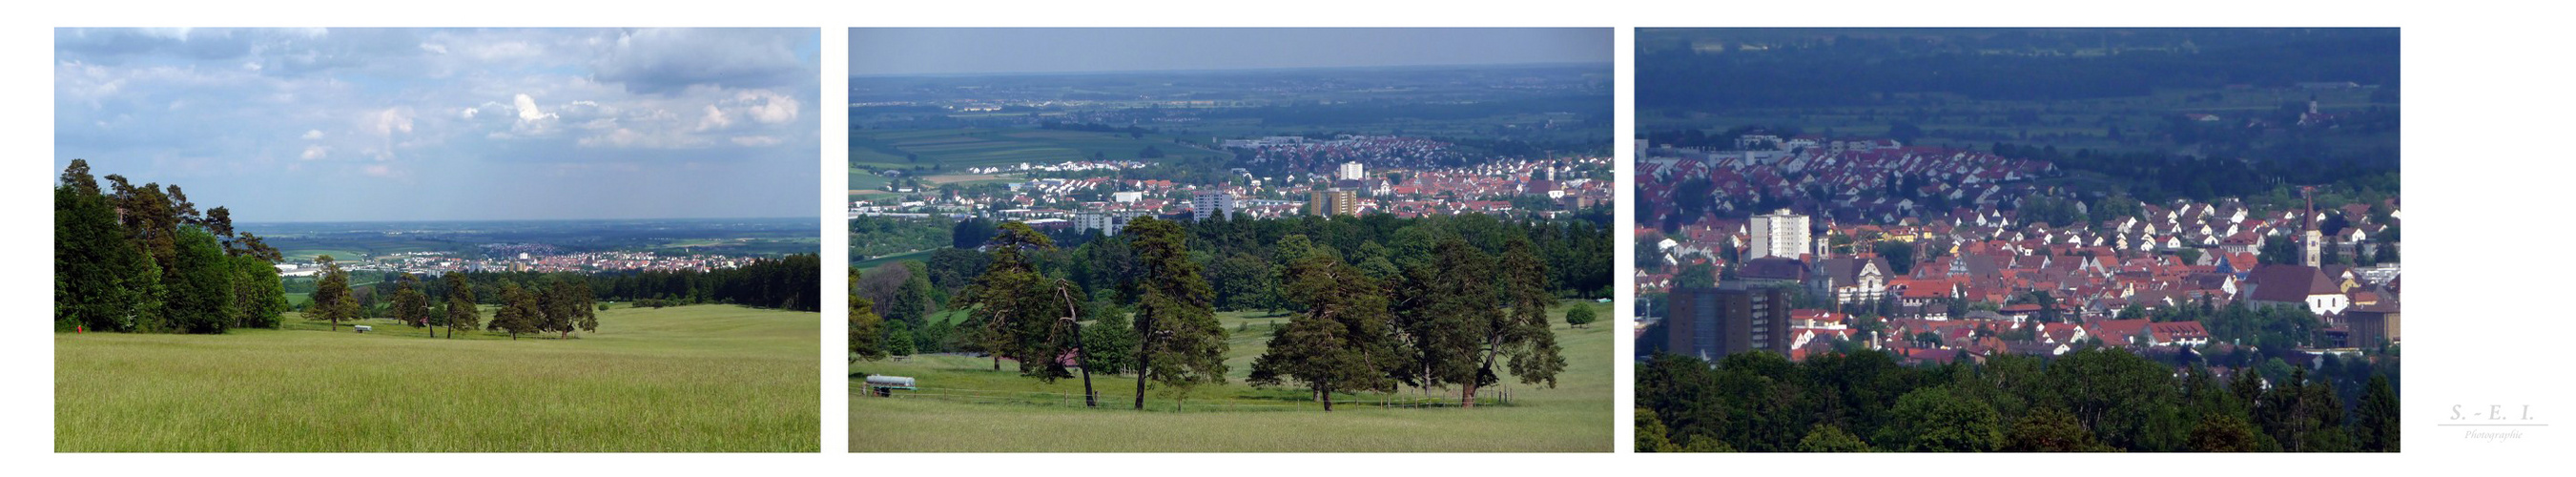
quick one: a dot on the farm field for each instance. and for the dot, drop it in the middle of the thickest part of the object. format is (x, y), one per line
(1011, 413)
(971, 147)
(686, 379)
(2070, 124)
(917, 255)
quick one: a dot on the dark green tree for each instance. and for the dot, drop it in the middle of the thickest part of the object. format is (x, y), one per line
(867, 330)
(1179, 340)
(258, 292)
(99, 279)
(411, 305)
(1828, 438)
(1651, 435)
(201, 300)
(1011, 304)
(1935, 420)
(2222, 433)
(462, 312)
(2049, 429)
(1579, 316)
(332, 300)
(1341, 342)
(520, 311)
(1525, 337)
(1109, 343)
(2376, 425)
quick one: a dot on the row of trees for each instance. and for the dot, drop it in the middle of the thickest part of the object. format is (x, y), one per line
(1428, 313)
(791, 282)
(2096, 399)
(144, 259)
(1242, 261)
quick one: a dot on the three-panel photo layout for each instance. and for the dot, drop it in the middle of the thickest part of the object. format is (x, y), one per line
(1302, 240)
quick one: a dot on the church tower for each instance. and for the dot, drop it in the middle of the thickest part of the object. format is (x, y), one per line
(2310, 240)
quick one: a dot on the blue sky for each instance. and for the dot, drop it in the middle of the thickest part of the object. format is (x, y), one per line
(435, 124)
(947, 51)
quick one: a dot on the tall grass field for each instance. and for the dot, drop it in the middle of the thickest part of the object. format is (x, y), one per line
(706, 378)
(965, 406)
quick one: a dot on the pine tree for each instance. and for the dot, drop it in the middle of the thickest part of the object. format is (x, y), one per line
(1011, 304)
(411, 306)
(331, 298)
(1341, 342)
(1525, 337)
(520, 312)
(93, 264)
(2376, 426)
(1456, 326)
(461, 309)
(1180, 342)
(585, 306)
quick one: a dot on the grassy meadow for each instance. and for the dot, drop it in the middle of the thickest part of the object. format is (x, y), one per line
(1012, 413)
(684, 379)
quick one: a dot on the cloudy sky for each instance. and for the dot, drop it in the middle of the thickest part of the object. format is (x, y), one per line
(939, 51)
(419, 124)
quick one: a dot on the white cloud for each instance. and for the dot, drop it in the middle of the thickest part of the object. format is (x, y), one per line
(714, 119)
(756, 141)
(772, 108)
(390, 121)
(315, 152)
(528, 111)
(312, 134)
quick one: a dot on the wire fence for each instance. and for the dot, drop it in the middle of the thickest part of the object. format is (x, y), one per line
(1491, 396)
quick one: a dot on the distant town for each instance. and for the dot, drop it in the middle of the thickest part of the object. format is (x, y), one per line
(1367, 175)
(1813, 244)
(522, 258)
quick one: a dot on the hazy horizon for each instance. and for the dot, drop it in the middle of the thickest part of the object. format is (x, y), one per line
(1009, 51)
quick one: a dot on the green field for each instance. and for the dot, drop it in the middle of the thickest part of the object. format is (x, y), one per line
(2070, 124)
(684, 379)
(968, 147)
(916, 255)
(1013, 413)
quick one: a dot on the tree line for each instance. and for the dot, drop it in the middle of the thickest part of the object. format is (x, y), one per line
(558, 303)
(143, 258)
(1453, 303)
(791, 282)
(2095, 399)
(1241, 259)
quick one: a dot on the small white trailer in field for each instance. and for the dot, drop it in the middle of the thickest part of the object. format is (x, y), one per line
(884, 386)
(362, 328)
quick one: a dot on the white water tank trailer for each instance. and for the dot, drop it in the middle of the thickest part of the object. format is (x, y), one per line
(884, 386)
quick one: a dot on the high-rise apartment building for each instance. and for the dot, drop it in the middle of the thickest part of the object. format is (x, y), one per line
(1710, 323)
(1778, 234)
